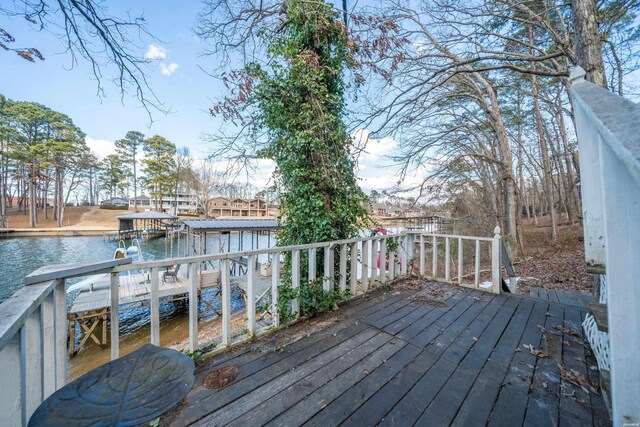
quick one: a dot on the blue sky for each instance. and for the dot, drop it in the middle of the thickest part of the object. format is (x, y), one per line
(183, 87)
(175, 76)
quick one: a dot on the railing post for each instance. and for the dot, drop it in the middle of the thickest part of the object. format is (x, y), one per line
(375, 260)
(312, 264)
(435, 258)
(383, 259)
(410, 250)
(155, 306)
(225, 299)
(48, 346)
(60, 303)
(354, 269)
(193, 307)
(30, 343)
(422, 257)
(460, 260)
(365, 265)
(275, 281)
(251, 296)
(476, 278)
(328, 269)
(295, 280)
(447, 260)
(115, 311)
(343, 267)
(404, 240)
(392, 263)
(495, 261)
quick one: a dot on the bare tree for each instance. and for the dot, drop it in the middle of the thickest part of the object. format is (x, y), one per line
(88, 31)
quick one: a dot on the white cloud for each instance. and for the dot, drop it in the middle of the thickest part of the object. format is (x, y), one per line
(167, 70)
(155, 52)
(101, 148)
(372, 149)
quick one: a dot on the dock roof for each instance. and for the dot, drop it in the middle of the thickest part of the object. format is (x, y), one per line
(148, 215)
(222, 225)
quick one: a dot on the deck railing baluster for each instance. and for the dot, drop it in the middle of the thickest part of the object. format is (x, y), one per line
(155, 306)
(434, 264)
(343, 268)
(375, 260)
(251, 296)
(225, 298)
(48, 346)
(354, 269)
(295, 281)
(365, 265)
(312, 264)
(423, 268)
(275, 282)
(383, 259)
(460, 261)
(193, 307)
(30, 342)
(60, 332)
(405, 250)
(476, 280)
(115, 311)
(327, 281)
(447, 260)
(392, 262)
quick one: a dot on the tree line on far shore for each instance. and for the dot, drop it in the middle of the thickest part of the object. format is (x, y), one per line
(45, 165)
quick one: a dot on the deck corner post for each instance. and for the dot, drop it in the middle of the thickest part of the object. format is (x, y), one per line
(495, 261)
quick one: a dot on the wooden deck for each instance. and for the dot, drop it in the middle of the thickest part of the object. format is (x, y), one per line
(442, 355)
(581, 299)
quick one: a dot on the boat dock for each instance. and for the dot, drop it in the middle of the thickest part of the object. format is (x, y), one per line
(91, 308)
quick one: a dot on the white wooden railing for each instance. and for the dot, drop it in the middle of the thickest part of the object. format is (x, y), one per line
(33, 322)
(430, 246)
(608, 130)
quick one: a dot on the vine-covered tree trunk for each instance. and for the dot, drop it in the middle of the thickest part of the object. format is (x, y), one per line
(301, 102)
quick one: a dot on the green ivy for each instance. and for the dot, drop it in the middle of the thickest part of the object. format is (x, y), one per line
(312, 297)
(300, 100)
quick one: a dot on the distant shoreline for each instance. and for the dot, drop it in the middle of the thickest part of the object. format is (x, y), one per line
(62, 232)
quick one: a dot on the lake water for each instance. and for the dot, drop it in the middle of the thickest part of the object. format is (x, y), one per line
(21, 256)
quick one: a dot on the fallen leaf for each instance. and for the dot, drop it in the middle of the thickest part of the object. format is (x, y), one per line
(536, 352)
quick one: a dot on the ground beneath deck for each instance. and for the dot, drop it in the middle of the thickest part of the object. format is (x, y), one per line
(437, 355)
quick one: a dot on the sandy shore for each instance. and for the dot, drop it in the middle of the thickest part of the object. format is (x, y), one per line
(78, 221)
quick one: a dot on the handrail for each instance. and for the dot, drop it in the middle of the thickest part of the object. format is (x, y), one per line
(19, 306)
(608, 129)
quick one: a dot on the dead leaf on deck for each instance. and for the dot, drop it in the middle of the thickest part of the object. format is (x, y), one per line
(535, 351)
(566, 330)
(576, 378)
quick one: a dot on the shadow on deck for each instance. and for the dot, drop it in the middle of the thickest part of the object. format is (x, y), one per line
(438, 356)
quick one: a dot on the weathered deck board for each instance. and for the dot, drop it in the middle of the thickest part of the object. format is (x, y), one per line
(577, 298)
(396, 359)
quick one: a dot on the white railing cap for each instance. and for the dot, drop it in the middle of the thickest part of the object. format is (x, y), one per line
(616, 118)
(59, 271)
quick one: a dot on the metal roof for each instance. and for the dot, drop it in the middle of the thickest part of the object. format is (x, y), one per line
(148, 215)
(220, 225)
